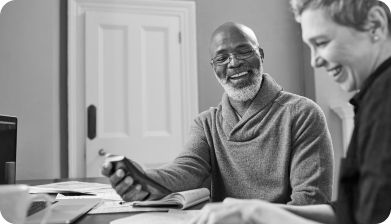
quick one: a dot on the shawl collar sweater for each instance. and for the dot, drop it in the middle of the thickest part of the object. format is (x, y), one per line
(243, 130)
(279, 151)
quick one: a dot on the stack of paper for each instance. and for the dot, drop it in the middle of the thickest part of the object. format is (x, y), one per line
(67, 186)
(112, 202)
(76, 189)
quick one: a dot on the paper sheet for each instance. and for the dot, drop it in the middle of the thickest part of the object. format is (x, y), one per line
(106, 194)
(119, 207)
(171, 217)
(68, 186)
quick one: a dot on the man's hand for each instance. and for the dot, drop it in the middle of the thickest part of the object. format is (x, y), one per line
(126, 187)
(245, 211)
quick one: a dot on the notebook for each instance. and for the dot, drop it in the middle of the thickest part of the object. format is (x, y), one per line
(179, 200)
(64, 211)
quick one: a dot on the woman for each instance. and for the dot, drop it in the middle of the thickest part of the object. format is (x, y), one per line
(351, 39)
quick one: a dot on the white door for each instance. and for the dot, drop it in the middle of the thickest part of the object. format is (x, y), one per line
(132, 81)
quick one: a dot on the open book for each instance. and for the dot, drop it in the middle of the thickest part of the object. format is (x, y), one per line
(180, 200)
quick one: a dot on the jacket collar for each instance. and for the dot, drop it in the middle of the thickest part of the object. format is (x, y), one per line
(357, 98)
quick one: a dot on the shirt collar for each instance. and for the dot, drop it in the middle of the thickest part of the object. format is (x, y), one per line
(357, 98)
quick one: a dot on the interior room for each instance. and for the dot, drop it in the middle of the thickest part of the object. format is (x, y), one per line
(36, 67)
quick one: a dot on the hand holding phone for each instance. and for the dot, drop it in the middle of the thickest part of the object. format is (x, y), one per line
(130, 169)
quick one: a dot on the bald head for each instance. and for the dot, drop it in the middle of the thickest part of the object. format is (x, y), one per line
(231, 32)
(236, 59)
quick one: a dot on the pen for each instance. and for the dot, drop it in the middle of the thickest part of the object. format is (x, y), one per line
(77, 194)
(126, 203)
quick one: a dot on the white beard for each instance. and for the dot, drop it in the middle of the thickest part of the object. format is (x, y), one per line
(245, 93)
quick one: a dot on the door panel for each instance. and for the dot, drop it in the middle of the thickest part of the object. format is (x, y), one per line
(133, 78)
(124, 58)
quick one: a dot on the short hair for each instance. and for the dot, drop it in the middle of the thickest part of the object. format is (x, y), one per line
(351, 13)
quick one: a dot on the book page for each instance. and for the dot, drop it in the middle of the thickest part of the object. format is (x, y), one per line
(193, 197)
(182, 200)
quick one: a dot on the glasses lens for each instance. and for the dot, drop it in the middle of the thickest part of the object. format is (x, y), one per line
(223, 59)
(244, 54)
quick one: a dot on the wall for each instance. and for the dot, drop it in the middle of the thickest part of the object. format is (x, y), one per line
(32, 67)
(278, 34)
(327, 94)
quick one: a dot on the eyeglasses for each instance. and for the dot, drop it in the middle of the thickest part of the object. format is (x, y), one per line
(223, 59)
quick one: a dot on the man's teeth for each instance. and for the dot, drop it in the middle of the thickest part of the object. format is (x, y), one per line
(239, 75)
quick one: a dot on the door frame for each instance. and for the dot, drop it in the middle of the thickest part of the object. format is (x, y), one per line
(77, 119)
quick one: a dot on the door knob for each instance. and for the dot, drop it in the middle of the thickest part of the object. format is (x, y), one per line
(102, 152)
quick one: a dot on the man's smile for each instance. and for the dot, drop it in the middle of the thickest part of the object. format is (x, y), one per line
(238, 75)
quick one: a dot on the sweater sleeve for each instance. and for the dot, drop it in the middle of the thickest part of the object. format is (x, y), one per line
(192, 166)
(312, 155)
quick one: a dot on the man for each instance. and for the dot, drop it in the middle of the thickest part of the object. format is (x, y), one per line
(259, 142)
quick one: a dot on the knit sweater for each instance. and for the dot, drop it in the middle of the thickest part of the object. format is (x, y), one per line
(279, 151)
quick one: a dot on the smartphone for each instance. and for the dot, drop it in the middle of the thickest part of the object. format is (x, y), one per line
(121, 162)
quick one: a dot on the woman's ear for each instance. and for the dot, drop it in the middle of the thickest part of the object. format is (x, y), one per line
(377, 23)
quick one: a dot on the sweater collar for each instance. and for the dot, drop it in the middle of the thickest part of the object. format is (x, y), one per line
(269, 90)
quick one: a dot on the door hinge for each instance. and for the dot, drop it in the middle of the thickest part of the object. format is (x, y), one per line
(180, 37)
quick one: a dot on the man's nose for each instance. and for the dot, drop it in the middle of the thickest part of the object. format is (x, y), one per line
(233, 61)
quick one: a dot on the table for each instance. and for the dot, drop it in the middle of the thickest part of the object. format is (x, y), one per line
(96, 218)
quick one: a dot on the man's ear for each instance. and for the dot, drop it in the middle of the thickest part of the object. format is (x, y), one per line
(261, 53)
(377, 23)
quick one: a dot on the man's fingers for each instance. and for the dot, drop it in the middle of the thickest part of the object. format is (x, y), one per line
(123, 186)
(135, 194)
(154, 193)
(116, 177)
(106, 169)
(128, 189)
(126, 186)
